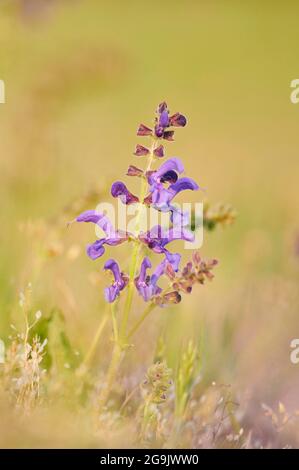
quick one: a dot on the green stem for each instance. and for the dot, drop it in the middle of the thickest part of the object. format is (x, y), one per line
(141, 319)
(111, 374)
(114, 322)
(121, 338)
(94, 343)
(136, 252)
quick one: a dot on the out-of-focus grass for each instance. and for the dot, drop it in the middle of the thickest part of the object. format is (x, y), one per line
(79, 78)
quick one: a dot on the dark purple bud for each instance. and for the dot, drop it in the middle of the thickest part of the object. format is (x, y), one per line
(134, 171)
(177, 120)
(99, 219)
(159, 151)
(140, 151)
(144, 130)
(162, 107)
(168, 135)
(172, 297)
(120, 190)
(159, 131)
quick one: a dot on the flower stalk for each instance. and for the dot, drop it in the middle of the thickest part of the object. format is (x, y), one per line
(157, 190)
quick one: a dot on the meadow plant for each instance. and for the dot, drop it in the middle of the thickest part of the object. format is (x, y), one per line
(23, 371)
(158, 188)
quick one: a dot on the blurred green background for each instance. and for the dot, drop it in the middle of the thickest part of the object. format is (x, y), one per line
(80, 76)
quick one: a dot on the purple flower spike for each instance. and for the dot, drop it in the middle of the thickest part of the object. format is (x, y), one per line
(144, 130)
(120, 190)
(119, 283)
(159, 151)
(140, 151)
(177, 120)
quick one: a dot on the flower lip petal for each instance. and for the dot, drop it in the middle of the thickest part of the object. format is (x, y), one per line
(184, 183)
(97, 218)
(96, 249)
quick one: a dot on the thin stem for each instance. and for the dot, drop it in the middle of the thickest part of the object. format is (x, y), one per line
(137, 249)
(141, 319)
(121, 338)
(94, 343)
(111, 374)
(114, 322)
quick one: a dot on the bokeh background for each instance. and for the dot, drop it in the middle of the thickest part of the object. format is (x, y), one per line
(80, 76)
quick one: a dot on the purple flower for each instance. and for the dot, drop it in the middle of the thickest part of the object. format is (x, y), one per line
(168, 173)
(157, 238)
(146, 285)
(120, 190)
(119, 283)
(113, 237)
(172, 164)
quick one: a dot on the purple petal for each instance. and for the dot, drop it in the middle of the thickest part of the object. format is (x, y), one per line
(172, 164)
(174, 259)
(183, 184)
(111, 293)
(96, 249)
(146, 264)
(120, 190)
(164, 119)
(112, 265)
(97, 218)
